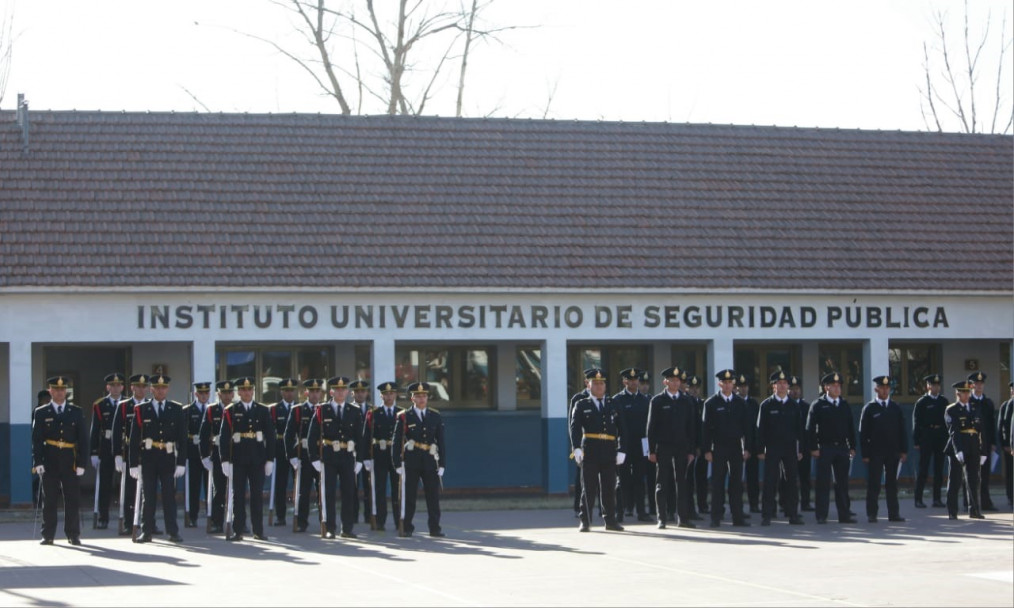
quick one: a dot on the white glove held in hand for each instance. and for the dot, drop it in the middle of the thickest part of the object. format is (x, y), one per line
(368, 465)
(317, 465)
(961, 457)
(95, 462)
(620, 458)
(400, 470)
(118, 464)
(39, 469)
(269, 468)
(294, 462)
(440, 472)
(578, 455)
(982, 460)
(207, 463)
(179, 472)
(227, 469)
(79, 471)
(359, 467)
(135, 472)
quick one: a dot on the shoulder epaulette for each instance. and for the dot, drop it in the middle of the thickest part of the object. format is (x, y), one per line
(229, 407)
(98, 401)
(433, 409)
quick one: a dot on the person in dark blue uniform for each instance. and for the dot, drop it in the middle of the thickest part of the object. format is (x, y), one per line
(197, 474)
(59, 456)
(123, 421)
(158, 456)
(360, 399)
(420, 454)
(752, 464)
(672, 430)
(701, 489)
(965, 449)
(296, 439)
(335, 442)
(583, 393)
(831, 436)
(378, 436)
(633, 406)
(279, 418)
(101, 443)
(805, 465)
(778, 445)
(211, 458)
(726, 431)
(247, 447)
(884, 447)
(929, 436)
(644, 387)
(1005, 424)
(595, 429)
(987, 409)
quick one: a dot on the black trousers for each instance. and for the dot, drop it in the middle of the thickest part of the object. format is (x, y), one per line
(248, 475)
(219, 492)
(701, 481)
(363, 483)
(804, 468)
(781, 470)
(964, 475)
(752, 466)
(307, 479)
(833, 461)
(671, 476)
(105, 487)
(578, 487)
(985, 473)
(197, 478)
(727, 463)
(632, 481)
(1008, 475)
(431, 490)
(281, 472)
(650, 473)
(598, 479)
(931, 452)
(157, 468)
(888, 465)
(57, 480)
(129, 494)
(340, 478)
(385, 478)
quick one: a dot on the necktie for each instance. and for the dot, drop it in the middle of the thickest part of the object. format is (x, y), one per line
(59, 410)
(158, 409)
(389, 412)
(422, 415)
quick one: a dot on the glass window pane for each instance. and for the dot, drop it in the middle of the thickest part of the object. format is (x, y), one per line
(437, 366)
(854, 373)
(476, 387)
(528, 376)
(275, 365)
(240, 363)
(364, 369)
(920, 364)
(313, 363)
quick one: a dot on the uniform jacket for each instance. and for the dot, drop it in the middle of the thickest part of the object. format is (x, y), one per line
(280, 419)
(587, 419)
(1003, 426)
(779, 430)
(68, 428)
(194, 418)
(725, 424)
(634, 411)
(380, 427)
(987, 410)
(803, 410)
(103, 413)
(672, 424)
(882, 430)
(828, 425)
(297, 429)
(928, 418)
(168, 427)
(964, 430)
(752, 411)
(427, 432)
(211, 427)
(326, 428)
(123, 421)
(250, 450)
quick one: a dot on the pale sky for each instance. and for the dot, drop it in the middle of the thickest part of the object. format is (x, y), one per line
(854, 64)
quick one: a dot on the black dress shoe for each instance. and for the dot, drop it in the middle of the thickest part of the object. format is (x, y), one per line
(437, 534)
(977, 515)
(158, 532)
(952, 516)
(102, 525)
(215, 530)
(920, 504)
(806, 508)
(260, 537)
(872, 519)
(645, 517)
(280, 522)
(175, 538)
(46, 541)
(74, 540)
(406, 534)
(144, 538)
(124, 532)
(686, 524)
(821, 520)
(766, 521)
(939, 505)
(583, 527)
(741, 524)
(896, 519)
(715, 524)
(348, 534)
(661, 525)
(848, 520)
(796, 521)
(235, 538)
(614, 527)
(329, 535)
(380, 528)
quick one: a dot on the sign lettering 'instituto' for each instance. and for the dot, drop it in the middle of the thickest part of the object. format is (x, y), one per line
(492, 316)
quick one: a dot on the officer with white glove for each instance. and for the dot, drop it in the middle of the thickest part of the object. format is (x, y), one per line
(359, 467)
(620, 458)
(961, 457)
(965, 445)
(40, 470)
(59, 456)
(420, 454)
(227, 469)
(317, 465)
(595, 428)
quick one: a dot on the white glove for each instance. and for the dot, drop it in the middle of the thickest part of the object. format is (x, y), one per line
(179, 472)
(400, 470)
(317, 465)
(40, 469)
(118, 463)
(620, 458)
(269, 468)
(294, 462)
(982, 460)
(227, 469)
(961, 457)
(440, 472)
(578, 455)
(359, 467)
(135, 472)
(79, 471)
(95, 462)
(207, 463)
(368, 465)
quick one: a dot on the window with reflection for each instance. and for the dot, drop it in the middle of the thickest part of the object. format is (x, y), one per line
(528, 376)
(909, 364)
(459, 376)
(847, 360)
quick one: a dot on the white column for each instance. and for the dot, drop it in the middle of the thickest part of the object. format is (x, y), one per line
(22, 394)
(554, 378)
(202, 362)
(809, 375)
(506, 372)
(720, 356)
(875, 363)
(382, 363)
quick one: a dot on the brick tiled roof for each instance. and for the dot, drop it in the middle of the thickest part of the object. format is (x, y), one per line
(228, 200)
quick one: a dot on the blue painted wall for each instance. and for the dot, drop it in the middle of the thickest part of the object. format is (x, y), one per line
(494, 449)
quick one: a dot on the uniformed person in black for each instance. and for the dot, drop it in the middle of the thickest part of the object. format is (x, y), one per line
(831, 436)
(671, 434)
(297, 431)
(884, 447)
(595, 429)
(420, 454)
(633, 406)
(583, 393)
(123, 421)
(700, 488)
(805, 465)
(752, 464)
(101, 443)
(644, 386)
(778, 445)
(929, 436)
(965, 449)
(360, 394)
(211, 427)
(247, 447)
(1005, 424)
(280, 417)
(378, 436)
(335, 442)
(157, 456)
(726, 430)
(59, 456)
(197, 474)
(987, 409)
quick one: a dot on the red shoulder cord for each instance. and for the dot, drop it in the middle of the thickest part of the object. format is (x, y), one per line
(228, 417)
(138, 419)
(274, 416)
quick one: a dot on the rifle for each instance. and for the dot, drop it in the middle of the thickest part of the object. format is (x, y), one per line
(123, 496)
(373, 483)
(271, 495)
(295, 498)
(186, 492)
(38, 505)
(137, 504)
(98, 486)
(207, 502)
(323, 493)
(228, 508)
(401, 480)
